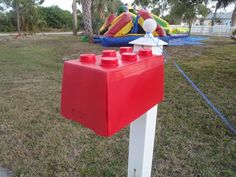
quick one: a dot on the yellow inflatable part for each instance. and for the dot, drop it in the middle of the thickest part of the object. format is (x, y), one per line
(118, 18)
(115, 20)
(133, 15)
(124, 30)
(112, 23)
(155, 33)
(102, 27)
(140, 21)
(179, 30)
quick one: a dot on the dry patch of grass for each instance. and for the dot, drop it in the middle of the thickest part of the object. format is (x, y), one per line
(190, 139)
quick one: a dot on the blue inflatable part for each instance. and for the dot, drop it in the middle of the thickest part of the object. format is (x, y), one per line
(97, 40)
(123, 41)
(117, 41)
(135, 28)
(186, 41)
(174, 40)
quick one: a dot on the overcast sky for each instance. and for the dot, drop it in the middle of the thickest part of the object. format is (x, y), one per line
(66, 4)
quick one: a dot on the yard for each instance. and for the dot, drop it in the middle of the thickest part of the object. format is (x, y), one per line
(35, 141)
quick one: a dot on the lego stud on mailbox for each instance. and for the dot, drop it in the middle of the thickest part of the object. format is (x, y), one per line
(145, 52)
(129, 56)
(109, 61)
(88, 58)
(109, 53)
(126, 49)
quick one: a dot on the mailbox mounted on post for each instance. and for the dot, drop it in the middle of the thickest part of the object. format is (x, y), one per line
(107, 92)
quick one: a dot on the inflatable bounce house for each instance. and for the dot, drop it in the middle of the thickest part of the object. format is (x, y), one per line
(120, 29)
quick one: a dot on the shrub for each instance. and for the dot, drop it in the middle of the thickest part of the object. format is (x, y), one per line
(7, 22)
(54, 17)
(234, 35)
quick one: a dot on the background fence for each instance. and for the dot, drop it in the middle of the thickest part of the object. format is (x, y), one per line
(216, 30)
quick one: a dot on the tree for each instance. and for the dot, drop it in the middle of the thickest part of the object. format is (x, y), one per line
(112, 6)
(86, 8)
(98, 8)
(187, 9)
(220, 4)
(7, 22)
(74, 14)
(54, 17)
(233, 37)
(145, 3)
(19, 7)
(233, 19)
(38, 19)
(203, 11)
(101, 9)
(159, 7)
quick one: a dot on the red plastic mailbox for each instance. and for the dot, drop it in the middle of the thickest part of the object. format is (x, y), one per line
(107, 92)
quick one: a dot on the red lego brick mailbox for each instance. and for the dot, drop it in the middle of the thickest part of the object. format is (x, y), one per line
(106, 93)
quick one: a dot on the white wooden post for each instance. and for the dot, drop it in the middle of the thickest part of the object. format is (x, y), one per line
(142, 130)
(141, 143)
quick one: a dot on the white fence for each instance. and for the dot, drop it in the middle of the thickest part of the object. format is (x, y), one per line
(216, 30)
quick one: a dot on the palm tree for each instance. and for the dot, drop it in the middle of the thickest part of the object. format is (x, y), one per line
(75, 24)
(220, 4)
(86, 8)
(102, 8)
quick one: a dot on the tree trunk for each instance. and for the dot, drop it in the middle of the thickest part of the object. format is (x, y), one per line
(190, 22)
(18, 20)
(233, 19)
(74, 14)
(86, 8)
(218, 5)
(214, 17)
(101, 11)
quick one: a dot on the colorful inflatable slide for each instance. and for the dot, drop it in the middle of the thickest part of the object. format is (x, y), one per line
(120, 29)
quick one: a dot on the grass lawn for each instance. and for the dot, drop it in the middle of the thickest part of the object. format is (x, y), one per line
(35, 141)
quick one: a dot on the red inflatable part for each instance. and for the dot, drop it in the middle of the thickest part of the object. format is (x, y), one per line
(110, 19)
(123, 20)
(160, 31)
(144, 14)
(111, 93)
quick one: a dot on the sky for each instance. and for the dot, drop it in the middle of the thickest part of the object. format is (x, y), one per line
(66, 4)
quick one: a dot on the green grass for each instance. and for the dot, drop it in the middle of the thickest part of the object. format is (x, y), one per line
(35, 141)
